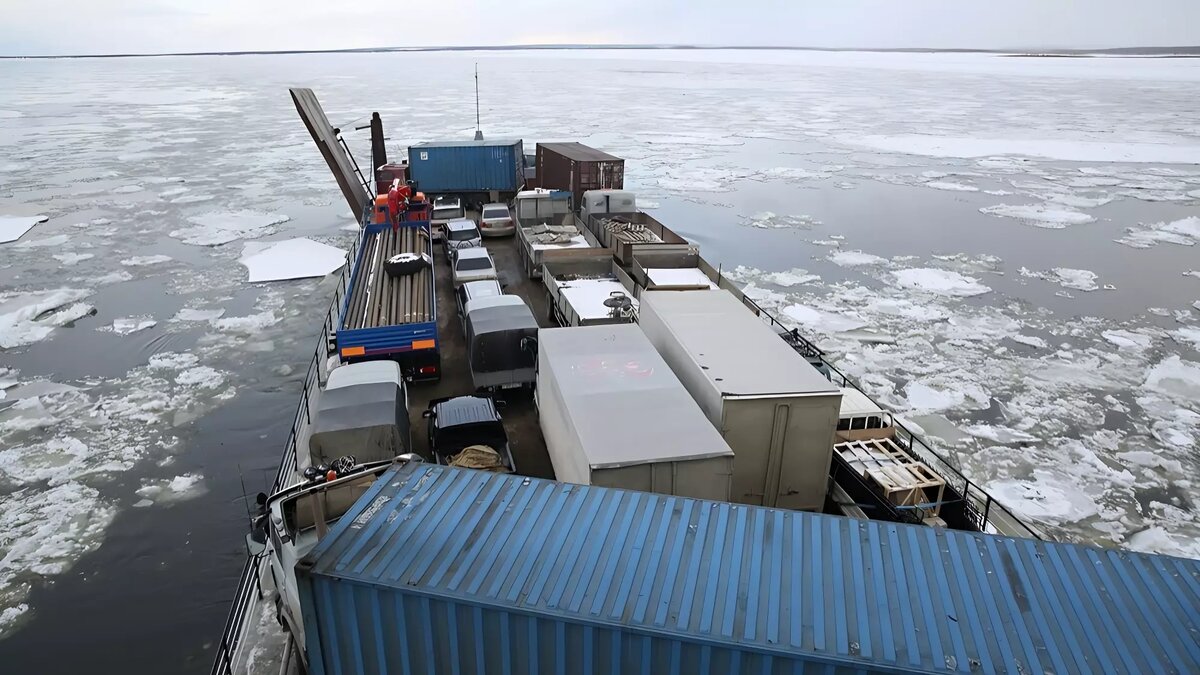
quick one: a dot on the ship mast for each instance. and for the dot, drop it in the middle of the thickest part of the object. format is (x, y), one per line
(478, 131)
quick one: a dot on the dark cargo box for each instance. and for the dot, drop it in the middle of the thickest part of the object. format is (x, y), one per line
(578, 168)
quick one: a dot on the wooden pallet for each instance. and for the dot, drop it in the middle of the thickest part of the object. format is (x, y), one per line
(902, 480)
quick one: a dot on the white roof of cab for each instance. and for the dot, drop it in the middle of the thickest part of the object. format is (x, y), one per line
(473, 252)
(367, 372)
(496, 205)
(856, 403)
(461, 224)
(482, 289)
(492, 301)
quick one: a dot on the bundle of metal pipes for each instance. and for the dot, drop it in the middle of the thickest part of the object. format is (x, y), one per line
(380, 299)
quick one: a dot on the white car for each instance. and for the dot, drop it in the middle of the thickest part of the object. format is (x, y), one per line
(472, 264)
(445, 209)
(496, 220)
(459, 234)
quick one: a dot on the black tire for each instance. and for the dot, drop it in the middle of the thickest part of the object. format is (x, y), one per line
(405, 264)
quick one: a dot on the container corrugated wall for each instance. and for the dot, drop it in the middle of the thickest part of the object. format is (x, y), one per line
(467, 166)
(559, 171)
(449, 570)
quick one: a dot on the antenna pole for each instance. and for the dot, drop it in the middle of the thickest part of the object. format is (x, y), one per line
(478, 131)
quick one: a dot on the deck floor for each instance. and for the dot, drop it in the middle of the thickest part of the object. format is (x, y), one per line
(519, 414)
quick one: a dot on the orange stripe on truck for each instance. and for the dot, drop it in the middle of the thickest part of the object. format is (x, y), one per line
(424, 344)
(354, 351)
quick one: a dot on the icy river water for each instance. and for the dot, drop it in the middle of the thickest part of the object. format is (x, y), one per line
(1001, 249)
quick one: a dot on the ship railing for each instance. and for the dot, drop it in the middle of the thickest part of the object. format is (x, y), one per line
(249, 588)
(981, 508)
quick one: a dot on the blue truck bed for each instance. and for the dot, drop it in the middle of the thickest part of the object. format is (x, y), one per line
(393, 317)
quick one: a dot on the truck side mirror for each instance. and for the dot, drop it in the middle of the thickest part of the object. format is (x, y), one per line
(256, 548)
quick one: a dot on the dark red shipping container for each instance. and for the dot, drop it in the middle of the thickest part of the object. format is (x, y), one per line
(578, 168)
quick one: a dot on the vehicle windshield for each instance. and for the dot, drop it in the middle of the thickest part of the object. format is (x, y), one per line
(495, 213)
(472, 264)
(448, 212)
(464, 235)
(450, 441)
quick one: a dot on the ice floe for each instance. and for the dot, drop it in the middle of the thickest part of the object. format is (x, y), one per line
(146, 260)
(951, 187)
(56, 240)
(190, 314)
(768, 220)
(854, 258)
(26, 318)
(13, 228)
(1127, 339)
(940, 282)
(1038, 215)
(1184, 232)
(1175, 377)
(69, 259)
(1188, 335)
(179, 488)
(130, 325)
(290, 259)
(826, 322)
(214, 229)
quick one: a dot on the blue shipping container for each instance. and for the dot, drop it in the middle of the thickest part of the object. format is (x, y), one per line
(467, 166)
(444, 570)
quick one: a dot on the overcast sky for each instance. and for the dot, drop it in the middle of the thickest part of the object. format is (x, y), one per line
(148, 26)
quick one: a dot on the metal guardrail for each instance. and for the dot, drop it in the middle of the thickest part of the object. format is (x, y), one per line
(980, 505)
(249, 584)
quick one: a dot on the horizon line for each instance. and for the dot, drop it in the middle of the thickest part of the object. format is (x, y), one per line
(1159, 50)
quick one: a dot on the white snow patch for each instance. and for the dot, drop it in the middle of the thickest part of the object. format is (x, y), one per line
(1038, 215)
(291, 259)
(1073, 151)
(939, 282)
(854, 258)
(13, 228)
(214, 229)
(146, 260)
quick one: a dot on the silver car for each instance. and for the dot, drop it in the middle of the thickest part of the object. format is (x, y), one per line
(496, 220)
(459, 234)
(445, 209)
(472, 264)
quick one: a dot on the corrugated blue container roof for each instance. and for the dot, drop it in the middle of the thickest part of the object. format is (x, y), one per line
(468, 144)
(791, 585)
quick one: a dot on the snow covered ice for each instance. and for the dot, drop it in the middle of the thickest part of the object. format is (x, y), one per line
(13, 228)
(290, 259)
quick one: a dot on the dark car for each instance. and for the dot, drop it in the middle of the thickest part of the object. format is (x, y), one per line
(457, 423)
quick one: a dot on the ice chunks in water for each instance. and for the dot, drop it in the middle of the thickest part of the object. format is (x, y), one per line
(214, 229)
(854, 258)
(26, 318)
(1184, 232)
(1073, 151)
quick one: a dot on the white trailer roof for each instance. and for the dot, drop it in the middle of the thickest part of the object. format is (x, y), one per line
(855, 403)
(738, 351)
(587, 296)
(621, 399)
(679, 276)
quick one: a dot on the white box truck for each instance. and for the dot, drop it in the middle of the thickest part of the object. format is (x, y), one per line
(613, 414)
(774, 409)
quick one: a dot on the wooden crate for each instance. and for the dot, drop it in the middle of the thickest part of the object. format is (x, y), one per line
(902, 480)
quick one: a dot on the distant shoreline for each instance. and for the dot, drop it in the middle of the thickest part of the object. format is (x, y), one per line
(1145, 52)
